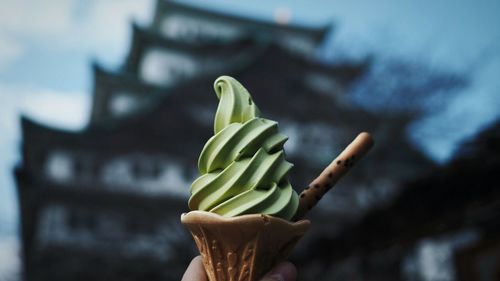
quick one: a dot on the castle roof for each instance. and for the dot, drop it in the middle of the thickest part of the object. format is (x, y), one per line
(108, 84)
(151, 118)
(145, 39)
(181, 117)
(163, 8)
(266, 76)
(333, 78)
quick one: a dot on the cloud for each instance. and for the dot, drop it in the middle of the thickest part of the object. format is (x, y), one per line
(10, 260)
(90, 26)
(31, 17)
(61, 109)
(27, 19)
(10, 50)
(64, 110)
(105, 25)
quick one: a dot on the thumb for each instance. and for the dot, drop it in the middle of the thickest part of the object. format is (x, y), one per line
(195, 271)
(284, 271)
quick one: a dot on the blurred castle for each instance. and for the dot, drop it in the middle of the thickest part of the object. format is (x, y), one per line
(104, 203)
(443, 226)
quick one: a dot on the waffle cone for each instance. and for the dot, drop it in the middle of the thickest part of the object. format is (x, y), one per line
(242, 248)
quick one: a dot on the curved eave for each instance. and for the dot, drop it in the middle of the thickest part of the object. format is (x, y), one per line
(99, 98)
(127, 137)
(143, 39)
(107, 83)
(296, 66)
(122, 78)
(324, 31)
(164, 7)
(36, 132)
(345, 72)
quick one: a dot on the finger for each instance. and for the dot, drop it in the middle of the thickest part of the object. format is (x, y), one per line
(284, 271)
(195, 271)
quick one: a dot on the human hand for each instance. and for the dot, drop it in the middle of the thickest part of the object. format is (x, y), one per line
(284, 271)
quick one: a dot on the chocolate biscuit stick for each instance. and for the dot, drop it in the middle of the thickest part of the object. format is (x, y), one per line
(331, 174)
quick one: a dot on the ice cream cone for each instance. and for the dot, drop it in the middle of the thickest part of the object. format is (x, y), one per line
(242, 248)
(243, 170)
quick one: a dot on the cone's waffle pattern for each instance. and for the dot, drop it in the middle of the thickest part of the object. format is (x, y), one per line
(242, 248)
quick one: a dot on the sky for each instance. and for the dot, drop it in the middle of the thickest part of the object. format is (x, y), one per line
(46, 49)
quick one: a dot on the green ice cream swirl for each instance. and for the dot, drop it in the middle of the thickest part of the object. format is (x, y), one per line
(243, 168)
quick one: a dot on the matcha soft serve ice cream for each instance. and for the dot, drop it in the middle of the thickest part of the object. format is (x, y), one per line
(245, 215)
(243, 167)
